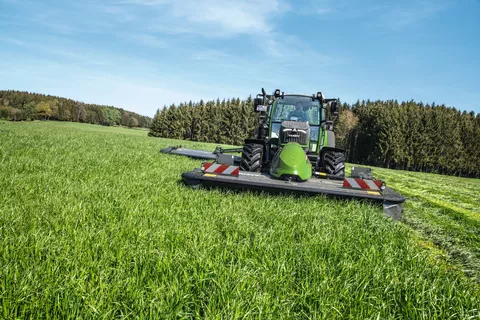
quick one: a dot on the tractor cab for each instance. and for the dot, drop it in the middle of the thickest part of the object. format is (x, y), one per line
(295, 108)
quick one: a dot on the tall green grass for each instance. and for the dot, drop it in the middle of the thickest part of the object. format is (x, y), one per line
(96, 223)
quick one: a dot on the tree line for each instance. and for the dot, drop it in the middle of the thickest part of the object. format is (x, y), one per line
(20, 106)
(412, 136)
(391, 134)
(227, 122)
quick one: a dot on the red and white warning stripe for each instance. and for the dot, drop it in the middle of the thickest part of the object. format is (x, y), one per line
(220, 169)
(357, 183)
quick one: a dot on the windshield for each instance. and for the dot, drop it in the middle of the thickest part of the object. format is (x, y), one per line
(297, 109)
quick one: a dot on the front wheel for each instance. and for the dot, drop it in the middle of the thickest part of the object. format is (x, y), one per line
(333, 163)
(252, 155)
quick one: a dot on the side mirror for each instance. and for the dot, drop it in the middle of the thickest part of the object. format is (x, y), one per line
(334, 108)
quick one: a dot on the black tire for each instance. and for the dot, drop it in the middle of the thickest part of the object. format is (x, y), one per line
(252, 155)
(334, 163)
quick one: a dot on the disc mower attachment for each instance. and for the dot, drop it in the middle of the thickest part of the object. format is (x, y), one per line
(392, 201)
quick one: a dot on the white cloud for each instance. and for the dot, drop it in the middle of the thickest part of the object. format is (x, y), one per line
(210, 55)
(16, 42)
(315, 7)
(324, 10)
(119, 13)
(54, 52)
(231, 16)
(410, 13)
(290, 51)
(383, 14)
(211, 18)
(148, 40)
(142, 2)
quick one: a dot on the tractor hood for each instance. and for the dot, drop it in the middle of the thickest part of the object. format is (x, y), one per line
(293, 131)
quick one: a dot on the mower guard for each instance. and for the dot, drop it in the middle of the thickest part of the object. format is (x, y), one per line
(392, 201)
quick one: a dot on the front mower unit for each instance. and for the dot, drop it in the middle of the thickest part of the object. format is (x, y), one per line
(205, 176)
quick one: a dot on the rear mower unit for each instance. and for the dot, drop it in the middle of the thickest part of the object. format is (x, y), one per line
(293, 152)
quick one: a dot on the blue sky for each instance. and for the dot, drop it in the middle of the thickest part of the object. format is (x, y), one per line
(143, 54)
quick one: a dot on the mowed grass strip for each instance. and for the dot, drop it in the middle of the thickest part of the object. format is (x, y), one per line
(453, 194)
(448, 215)
(98, 224)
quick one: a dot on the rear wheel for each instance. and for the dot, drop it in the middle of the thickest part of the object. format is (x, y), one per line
(333, 163)
(252, 155)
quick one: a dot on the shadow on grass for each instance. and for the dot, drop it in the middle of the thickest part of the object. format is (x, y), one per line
(237, 190)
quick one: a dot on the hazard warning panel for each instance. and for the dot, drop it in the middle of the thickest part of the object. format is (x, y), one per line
(216, 168)
(358, 183)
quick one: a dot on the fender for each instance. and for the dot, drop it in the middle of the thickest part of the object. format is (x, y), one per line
(257, 141)
(324, 149)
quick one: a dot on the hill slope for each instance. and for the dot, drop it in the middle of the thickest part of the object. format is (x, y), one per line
(20, 105)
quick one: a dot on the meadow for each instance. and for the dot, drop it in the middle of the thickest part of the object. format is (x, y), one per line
(96, 223)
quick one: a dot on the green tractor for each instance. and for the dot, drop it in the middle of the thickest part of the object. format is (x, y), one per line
(293, 128)
(293, 152)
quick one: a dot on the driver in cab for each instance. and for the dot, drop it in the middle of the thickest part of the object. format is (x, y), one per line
(298, 113)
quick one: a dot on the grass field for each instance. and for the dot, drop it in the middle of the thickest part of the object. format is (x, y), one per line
(94, 222)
